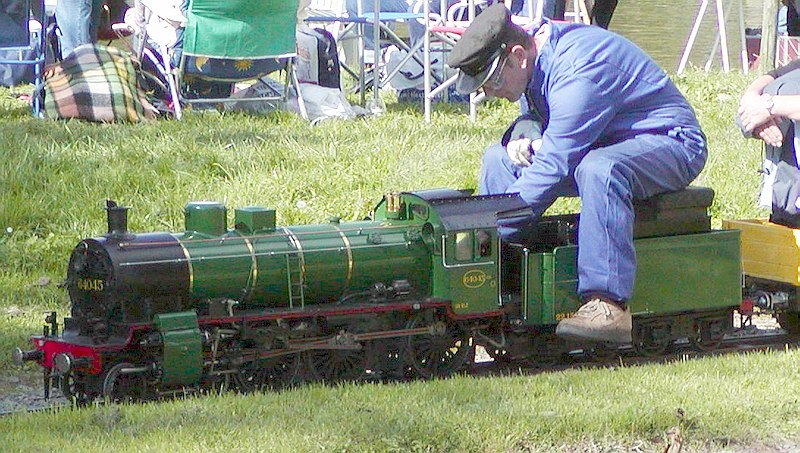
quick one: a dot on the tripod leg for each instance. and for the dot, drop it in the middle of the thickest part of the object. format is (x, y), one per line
(692, 36)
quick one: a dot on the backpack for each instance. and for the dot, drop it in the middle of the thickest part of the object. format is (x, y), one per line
(317, 58)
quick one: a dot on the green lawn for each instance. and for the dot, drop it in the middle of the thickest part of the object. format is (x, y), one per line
(719, 404)
(55, 176)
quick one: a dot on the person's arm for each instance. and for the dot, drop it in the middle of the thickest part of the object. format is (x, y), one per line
(753, 113)
(580, 110)
(756, 88)
(770, 132)
(760, 115)
(786, 106)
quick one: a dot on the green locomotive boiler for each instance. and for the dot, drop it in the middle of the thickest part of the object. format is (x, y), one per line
(412, 290)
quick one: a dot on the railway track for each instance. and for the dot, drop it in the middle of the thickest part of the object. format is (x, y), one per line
(742, 342)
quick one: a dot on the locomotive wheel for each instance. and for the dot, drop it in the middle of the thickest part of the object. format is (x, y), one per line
(790, 322)
(387, 359)
(602, 352)
(708, 334)
(440, 352)
(499, 355)
(274, 373)
(119, 387)
(548, 350)
(331, 365)
(651, 339)
(76, 390)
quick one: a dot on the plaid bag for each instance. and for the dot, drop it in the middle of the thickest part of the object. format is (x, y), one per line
(95, 83)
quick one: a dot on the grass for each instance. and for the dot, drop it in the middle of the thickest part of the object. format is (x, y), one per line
(55, 176)
(721, 403)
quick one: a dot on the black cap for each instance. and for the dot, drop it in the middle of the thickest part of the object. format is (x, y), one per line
(477, 54)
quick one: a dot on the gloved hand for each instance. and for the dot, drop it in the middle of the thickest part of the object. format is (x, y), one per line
(521, 150)
(523, 138)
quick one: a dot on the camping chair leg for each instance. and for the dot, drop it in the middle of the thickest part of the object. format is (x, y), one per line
(176, 100)
(361, 74)
(173, 82)
(162, 64)
(301, 103)
(37, 96)
(474, 100)
(350, 72)
(38, 91)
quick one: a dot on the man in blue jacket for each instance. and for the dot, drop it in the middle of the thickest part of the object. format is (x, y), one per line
(615, 129)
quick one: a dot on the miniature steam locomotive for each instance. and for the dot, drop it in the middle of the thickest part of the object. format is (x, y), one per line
(411, 290)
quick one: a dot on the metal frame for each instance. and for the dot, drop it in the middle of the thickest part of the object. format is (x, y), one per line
(39, 49)
(445, 27)
(290, 78)
(380, 21)
(160, 57)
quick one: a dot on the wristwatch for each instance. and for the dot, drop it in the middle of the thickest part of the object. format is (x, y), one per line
(769, 102)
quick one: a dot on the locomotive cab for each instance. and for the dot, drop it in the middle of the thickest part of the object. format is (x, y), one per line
(460, 231)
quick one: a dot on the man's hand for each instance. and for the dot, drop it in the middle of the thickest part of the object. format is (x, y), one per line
(750, 99)
(521, 150)
(754, 111)
(770, 133)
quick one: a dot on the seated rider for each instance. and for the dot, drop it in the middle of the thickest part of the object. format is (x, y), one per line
(615, 129)
(769, 110)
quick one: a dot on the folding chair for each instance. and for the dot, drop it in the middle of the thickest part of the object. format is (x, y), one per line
(332, 15)
(380, 21)
(238, 40)
(449, 28)
(382, 34)
(22, 41)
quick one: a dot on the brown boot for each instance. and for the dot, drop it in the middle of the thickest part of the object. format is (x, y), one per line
(598, 320)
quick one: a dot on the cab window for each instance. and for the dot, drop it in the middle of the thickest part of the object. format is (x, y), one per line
(484, 243)
(420, 212)
(473, 245)
(464, 246)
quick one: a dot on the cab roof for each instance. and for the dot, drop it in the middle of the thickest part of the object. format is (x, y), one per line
(458, 210)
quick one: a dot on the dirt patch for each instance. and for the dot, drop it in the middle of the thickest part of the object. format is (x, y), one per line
(22, 391)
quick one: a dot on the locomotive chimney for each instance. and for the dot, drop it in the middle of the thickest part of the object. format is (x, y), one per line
(117, 218)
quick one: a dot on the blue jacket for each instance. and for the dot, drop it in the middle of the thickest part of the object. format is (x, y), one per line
(593, 88)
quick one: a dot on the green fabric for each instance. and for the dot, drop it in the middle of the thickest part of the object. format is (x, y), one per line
(240, 29)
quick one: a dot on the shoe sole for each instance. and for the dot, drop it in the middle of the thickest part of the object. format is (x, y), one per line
(580, 335)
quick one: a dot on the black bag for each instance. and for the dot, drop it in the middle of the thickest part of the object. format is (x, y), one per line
(111, 12)
(317, 58)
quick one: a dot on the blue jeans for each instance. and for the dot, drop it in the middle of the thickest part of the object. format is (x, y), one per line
(552, 9)
(77, 20)
(607, 180)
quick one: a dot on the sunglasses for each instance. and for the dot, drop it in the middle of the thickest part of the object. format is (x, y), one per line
(496, 80)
